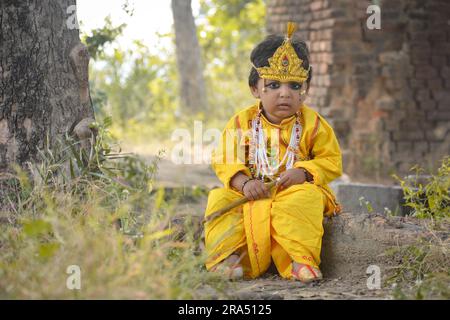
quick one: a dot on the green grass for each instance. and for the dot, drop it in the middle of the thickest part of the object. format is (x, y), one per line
(423, 268)
(97, 212)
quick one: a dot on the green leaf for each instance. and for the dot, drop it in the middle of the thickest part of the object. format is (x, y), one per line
(159, 198)
(36, 227)
(47, 250)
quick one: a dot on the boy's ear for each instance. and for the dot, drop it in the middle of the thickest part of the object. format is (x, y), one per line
(254, 91)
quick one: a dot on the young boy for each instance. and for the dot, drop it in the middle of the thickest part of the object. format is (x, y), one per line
(277, 139)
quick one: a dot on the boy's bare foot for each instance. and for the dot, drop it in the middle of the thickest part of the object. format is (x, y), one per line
(305, 273)
(230, 268)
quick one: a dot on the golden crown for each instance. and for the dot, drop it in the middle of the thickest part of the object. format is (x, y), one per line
(284, 65)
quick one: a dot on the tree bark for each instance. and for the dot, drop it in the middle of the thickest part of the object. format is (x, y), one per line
(192, 83)
(44, 89)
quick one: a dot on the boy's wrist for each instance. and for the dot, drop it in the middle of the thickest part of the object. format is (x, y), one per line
(244, 183)
(308, 176)
(238, 181)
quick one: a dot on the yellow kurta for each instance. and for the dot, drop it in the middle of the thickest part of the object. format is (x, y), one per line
(288, 226)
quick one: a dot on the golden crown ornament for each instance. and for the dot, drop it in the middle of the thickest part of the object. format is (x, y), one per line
(285, 65)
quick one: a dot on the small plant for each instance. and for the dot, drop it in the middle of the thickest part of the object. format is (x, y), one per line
(364, 202)
(430, 200)
(423, 271)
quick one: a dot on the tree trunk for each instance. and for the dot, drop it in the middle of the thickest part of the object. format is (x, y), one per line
(192, 83)
(44, 89)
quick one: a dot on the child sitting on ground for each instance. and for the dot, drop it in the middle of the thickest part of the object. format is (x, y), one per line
(280, 139)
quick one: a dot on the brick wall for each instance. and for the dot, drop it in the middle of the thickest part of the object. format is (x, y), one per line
(386, 92)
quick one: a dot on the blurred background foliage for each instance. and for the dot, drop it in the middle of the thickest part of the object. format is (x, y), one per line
(138, 87)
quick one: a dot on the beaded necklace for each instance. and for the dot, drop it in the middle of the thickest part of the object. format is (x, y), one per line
(261, 165)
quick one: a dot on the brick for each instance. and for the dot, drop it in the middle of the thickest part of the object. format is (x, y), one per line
(418, 14)
(438, 132)
(417, 25)
(316, 5)
(323, 81)
(389, 124)
(447, 84)
(324, 14)
(322, 68)
(403, 150)
(443, 105)
(363, 68)
(445, 72)
(435, 84)
(420, 49)
(326, 34)
(441, 96)
(405, 166)
(398, 115)
(423, 94)
(438, 60)
(441, 8)
(386, 104)
(443, 115)
(408, 136)
(436, 146)
(441, 46)
(420, 56)
(420, 147)
(425, 72)
(325, 46)
(427, 105)
(388, 72)
(352, 33)
(415, 83)
(411, 124)
(419, 35)
(322, 24)
(438, 24)
(437, 36)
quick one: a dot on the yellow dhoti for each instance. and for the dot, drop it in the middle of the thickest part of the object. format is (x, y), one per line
(285, 228)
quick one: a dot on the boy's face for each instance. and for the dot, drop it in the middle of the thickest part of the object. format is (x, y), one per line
(280, 100)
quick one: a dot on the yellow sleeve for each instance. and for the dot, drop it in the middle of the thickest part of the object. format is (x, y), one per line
(326, 159)
(229, 156)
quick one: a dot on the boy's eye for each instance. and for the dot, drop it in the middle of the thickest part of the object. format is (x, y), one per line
(295, 85)
(273, 85)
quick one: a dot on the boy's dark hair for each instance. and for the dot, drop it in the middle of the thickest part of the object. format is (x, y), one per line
(265, 49)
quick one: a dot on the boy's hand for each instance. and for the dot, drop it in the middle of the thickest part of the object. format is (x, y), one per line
(255, 190)
(291, 177)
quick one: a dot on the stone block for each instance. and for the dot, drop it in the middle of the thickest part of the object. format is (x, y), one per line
(366, 198)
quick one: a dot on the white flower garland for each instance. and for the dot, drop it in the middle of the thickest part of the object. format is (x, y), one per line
(258, 149)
